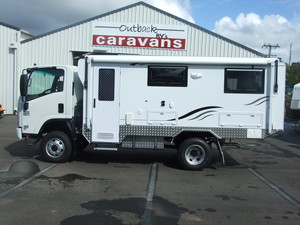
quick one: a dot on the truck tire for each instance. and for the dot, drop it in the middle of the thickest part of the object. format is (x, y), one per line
(194, 154)
(56, 147)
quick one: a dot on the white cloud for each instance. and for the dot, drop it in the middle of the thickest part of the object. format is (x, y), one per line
(180, 8)
(253, 31)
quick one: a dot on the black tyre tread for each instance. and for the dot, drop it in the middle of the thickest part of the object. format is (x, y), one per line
(67, 142)
(183, 147)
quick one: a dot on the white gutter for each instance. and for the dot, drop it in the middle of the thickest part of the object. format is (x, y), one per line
(139, 59)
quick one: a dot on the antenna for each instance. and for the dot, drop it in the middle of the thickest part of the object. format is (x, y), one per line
(290, 57)
(270, 47)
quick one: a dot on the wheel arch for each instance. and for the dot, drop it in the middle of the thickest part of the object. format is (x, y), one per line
(66, 126)
(206, 135)
(57, 125)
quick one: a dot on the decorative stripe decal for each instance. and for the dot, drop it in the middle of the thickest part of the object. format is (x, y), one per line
(210, 111)
(197, 111)
(262, 102)
(262, 99)
(207, 116)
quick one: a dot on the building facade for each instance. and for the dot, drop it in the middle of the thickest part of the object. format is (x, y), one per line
(9, 58)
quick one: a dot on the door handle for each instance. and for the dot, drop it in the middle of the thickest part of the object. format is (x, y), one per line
(60, 108)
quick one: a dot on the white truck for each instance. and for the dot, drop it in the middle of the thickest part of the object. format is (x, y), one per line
(148, 102)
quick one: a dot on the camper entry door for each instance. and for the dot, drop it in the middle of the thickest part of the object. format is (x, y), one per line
(106, 103)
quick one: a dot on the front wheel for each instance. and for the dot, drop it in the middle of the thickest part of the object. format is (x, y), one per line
(194, 154)
(56, 147)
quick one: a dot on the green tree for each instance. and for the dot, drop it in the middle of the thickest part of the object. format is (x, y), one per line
(293, 74)
(292, 78)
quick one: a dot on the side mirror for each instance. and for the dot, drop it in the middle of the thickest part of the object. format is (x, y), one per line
(23, 85)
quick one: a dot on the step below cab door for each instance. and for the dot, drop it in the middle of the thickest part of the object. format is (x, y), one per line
(106, 104)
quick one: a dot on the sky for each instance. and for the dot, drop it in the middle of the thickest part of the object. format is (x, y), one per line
(249, 22)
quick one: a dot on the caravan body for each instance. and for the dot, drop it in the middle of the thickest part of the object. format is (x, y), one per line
(121, 101)
(164, 96)
(295, 103)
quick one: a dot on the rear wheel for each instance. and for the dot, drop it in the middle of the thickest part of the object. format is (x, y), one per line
(56, 147)
(194, 154)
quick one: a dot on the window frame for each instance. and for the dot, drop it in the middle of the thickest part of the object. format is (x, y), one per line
(49, 86)
(258, 90)
(155, 81)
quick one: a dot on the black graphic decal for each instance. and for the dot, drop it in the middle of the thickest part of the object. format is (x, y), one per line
(202, 114)
(207, 116)
(197, 111)
(262, 99)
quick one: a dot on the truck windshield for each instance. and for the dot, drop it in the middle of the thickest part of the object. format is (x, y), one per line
(44, 81)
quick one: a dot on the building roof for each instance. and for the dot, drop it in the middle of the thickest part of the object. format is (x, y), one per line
(9, 26)
(155, 9)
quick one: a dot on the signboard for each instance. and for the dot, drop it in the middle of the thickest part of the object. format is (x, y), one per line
(139, 35)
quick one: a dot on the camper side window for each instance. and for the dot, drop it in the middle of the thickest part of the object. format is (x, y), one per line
(170, 76)
(247, 81)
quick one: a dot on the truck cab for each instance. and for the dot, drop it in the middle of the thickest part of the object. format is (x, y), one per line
(50, 100)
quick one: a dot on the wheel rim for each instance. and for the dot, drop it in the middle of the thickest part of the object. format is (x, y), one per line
(55, 148)
(195, 155)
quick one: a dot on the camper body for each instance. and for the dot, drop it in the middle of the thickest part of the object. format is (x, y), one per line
(295, 102)
(146, 102)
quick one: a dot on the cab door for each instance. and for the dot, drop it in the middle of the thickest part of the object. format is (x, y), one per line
(106, 104)
(46, 99)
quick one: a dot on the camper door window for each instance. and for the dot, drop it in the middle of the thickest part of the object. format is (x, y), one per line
(244, 81)
(106, 85)
(170, 76)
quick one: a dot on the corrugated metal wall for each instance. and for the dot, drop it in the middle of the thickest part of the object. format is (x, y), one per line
(56, 48)
(8, 60)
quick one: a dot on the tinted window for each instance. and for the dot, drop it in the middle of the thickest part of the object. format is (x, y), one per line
(172, 76)
(106, 85)
(244, 81)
